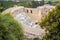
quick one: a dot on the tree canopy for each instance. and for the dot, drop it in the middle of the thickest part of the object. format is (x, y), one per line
(52, 23)
(10, 29)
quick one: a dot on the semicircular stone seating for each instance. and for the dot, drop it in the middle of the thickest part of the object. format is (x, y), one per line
(31, 29)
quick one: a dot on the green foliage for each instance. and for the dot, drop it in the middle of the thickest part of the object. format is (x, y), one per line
(29, 4)
(35, 4)
(52, 23)
(10, 29)
(36, 39)
(1, 7)
(7, 4)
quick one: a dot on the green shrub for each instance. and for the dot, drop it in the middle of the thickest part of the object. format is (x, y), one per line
(52, 23)
(10, 29)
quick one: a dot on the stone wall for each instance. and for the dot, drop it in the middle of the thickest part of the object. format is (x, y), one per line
(36, 14)
(33, 13)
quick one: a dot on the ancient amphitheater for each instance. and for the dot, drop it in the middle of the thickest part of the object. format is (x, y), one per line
(28, 17)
